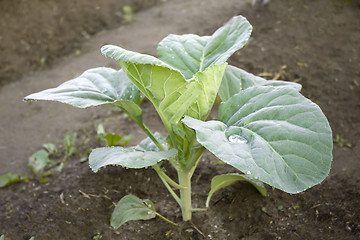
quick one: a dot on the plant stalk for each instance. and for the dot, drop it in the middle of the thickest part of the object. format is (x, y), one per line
(185, 194)
(166, 177)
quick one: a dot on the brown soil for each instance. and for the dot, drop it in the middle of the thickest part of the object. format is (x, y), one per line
(35, 33)
(318, 43)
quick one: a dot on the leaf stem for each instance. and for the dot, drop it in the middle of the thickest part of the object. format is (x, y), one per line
(166, 177)
(158, 144)
(153, 138)
(199, 209)
(150, 135)
(173, 194)
(164, 218)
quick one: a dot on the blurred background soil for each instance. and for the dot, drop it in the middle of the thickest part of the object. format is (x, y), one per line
(35, 33)
(44, 43)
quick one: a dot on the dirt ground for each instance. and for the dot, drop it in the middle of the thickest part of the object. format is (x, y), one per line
(33, 34)
(315, 43)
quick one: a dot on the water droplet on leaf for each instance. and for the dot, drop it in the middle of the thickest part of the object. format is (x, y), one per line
(248, 172)
(237, 139)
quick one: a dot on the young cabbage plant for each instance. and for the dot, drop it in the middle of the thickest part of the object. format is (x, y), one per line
(265, 128)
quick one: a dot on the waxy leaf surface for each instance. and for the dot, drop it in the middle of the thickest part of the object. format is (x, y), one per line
(131, 208)
(191, 53)
(236, 79)
(166, 88)
(148, 145)
(97, 86)
(134, 157)
(275, 135)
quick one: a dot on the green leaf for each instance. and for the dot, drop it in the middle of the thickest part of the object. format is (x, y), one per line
(148, 145)
(133, 110)
(51, 148)
(128, 14)
(39, 161)
(172, 95)
(97, 86)
(69, 143)
(9, 178)
(123, 55)
(275, 135)
(131, 208)
(134, 157)
(236, 79)
(101, 134)
(112, 139)
(100, 130)
(221, 181)
(125, 140)
(190, 53)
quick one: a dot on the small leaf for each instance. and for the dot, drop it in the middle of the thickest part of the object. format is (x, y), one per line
(9, 178)
(84, 157)
(69, 143)
(257, 184)
(101, 134)
(125, 140)
(39, 161)
(58, 168)
(100, 130)
(51, 148)
(236, 79)
(131, 208)
(112, 139)
(70, 139)
(127, 157)
(2, 237)
(221, 181)
(129, 13)
(275, 135)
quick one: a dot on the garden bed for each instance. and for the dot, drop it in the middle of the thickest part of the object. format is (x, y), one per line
(314, 43)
